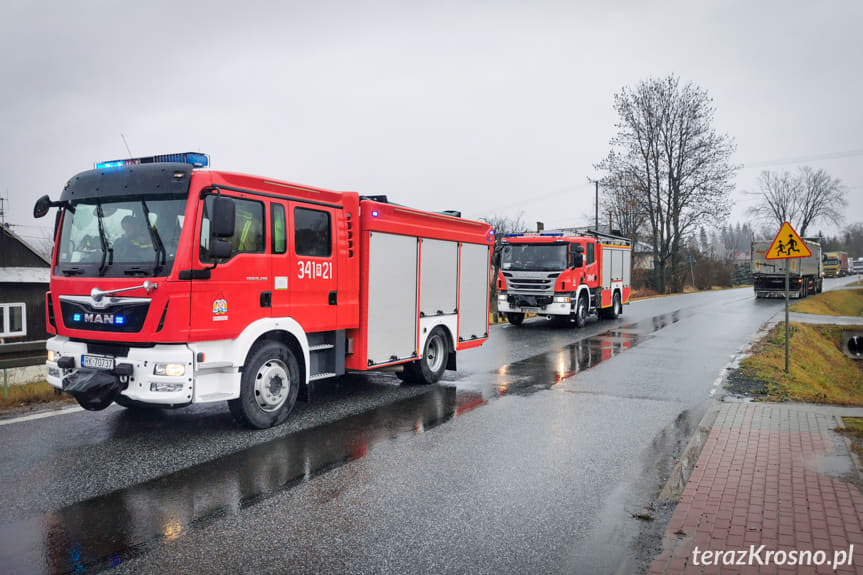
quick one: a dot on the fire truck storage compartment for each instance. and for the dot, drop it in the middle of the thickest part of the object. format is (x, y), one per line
(439, 278)
(392, 301)
(618, 270)
(473, 293)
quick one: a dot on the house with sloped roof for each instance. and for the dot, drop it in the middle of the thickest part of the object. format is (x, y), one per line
(24, 278)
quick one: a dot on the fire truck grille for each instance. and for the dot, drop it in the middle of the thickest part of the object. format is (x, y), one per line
(533, 283)
(127, 318)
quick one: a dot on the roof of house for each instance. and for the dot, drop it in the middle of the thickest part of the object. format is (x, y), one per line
(15, 252)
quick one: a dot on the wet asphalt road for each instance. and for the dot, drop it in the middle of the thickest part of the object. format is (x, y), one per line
(535, 456)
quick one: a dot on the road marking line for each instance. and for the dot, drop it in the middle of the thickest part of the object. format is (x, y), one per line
(42, 415)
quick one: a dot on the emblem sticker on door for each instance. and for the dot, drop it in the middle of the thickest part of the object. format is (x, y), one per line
(220, 309)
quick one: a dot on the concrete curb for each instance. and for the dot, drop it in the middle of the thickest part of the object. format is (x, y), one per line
(686, 463)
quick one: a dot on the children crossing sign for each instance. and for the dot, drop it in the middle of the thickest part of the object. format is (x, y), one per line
(787, 244)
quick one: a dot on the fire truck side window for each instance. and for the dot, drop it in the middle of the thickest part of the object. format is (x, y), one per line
(280, 239)
(590, 253)
(248, 228)
(312, 235)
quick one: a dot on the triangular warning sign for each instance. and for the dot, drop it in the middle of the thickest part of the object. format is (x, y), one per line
(787, 244)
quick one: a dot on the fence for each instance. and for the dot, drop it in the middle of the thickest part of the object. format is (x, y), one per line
(22, 354)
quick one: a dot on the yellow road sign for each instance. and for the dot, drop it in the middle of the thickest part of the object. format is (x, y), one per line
(787, 244)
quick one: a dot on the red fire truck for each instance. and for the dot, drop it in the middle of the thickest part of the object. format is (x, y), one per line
(172, 284)
(564, 274)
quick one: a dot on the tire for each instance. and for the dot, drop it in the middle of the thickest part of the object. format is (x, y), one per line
(580, 316)
(269, 386)
(430, 367)
(515, 318)
(616, 307)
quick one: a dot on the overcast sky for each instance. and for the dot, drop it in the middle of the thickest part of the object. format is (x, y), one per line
(494, 108)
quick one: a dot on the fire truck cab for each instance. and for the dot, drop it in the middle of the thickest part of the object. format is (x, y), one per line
(568, 275)
(172, 284)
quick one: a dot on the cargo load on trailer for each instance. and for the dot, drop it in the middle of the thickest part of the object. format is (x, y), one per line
(172, 284)
(568, 275)
(768, 275)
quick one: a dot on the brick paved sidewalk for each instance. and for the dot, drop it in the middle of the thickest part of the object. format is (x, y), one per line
(773, 475)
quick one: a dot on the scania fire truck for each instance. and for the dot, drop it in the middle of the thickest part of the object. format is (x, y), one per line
(566, 274)
(174, 284)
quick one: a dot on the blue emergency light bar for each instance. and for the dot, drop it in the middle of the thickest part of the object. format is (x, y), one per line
(195, 159)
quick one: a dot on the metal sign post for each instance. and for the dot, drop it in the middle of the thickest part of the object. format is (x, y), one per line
(787, 245)
(787, 296)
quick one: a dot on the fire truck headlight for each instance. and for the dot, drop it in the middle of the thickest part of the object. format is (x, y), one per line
(501, 297)
(561, 299)
(170, 369)
(53, 356)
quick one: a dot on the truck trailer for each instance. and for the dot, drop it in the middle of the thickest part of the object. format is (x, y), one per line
(567, 274)
(805, 274)
(173, 284)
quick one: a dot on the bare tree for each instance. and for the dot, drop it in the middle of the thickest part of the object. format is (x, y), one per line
(800, 199)
(620, 200)
(675, 165)
(822, 198)
(779, 193)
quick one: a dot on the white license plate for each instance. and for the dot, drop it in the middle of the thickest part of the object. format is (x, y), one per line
(97, 361)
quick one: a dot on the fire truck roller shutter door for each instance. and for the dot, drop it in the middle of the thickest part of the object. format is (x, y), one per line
(392, 298)
(473, 295)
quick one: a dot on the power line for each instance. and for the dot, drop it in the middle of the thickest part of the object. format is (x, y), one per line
(814, 158)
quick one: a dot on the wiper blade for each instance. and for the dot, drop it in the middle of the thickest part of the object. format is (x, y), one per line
(71, 271)
(158, 246)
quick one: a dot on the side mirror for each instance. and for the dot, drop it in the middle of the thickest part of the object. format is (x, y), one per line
(222, 218)
(579, 260)
(43, 205)
(221, 249)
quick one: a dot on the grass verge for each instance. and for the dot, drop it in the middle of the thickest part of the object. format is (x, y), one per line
(838, 302)
(819, 371)
(32, 394)
(853, 428)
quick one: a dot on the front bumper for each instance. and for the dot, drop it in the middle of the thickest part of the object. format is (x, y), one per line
(142, 384)
(540, 305)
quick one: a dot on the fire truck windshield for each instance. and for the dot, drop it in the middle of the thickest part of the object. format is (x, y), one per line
(120, 238)
(534, 257)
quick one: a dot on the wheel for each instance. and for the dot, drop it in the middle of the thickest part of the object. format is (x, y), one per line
(580, 315)
(269, 386)
(430, 367)
(515, 318)
(616, 306)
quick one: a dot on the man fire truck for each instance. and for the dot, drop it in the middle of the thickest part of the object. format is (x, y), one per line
(568, 275)
(248, 289)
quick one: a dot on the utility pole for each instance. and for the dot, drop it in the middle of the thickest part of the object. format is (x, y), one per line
(596, 221)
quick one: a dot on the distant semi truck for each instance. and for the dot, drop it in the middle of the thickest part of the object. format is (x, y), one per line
(857, 266)
(836, 264)
(805, 274)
